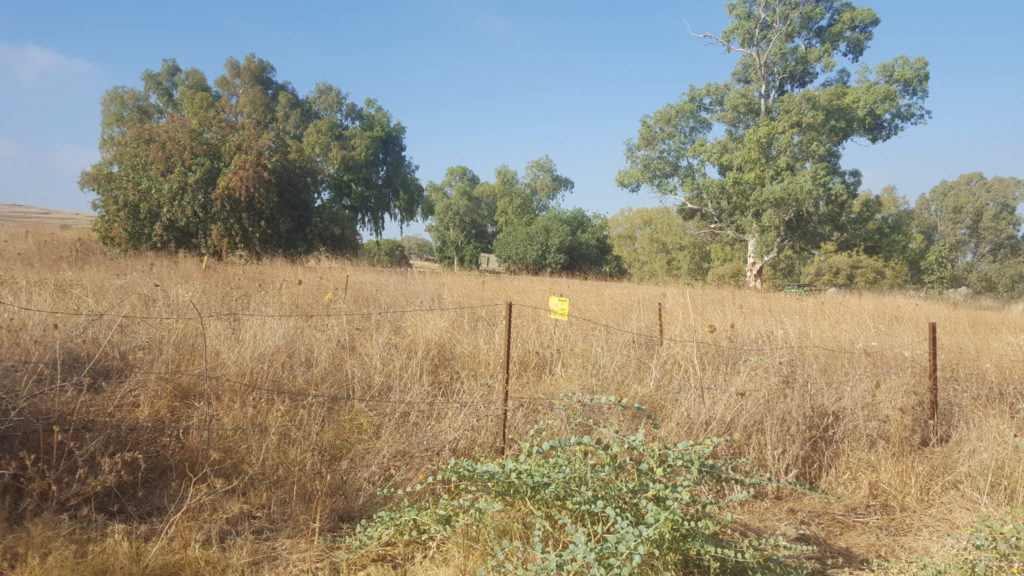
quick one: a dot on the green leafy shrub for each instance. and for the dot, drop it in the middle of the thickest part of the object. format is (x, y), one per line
(385, 253)
(602, 504)
(1001, 278)
(728, 263)
(857, 269)
(938, 269)
(566, 241)
(417, 247)
(657, 244)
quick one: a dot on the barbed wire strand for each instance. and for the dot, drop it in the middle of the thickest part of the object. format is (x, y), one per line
(865, 351)
(248, 314)
(256, 387)
(88, 425)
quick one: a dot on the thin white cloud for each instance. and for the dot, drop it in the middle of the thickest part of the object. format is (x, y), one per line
(29, 65)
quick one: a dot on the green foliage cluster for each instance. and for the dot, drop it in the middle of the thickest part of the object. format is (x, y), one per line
(658, 244)
(461, 219)
(518, 218)
(245, 165)
(758, 157)
(418, 248)
(858, 270)
(971, 231)
(962, 233)
(567, 241)
(385, 253)
(603, 503)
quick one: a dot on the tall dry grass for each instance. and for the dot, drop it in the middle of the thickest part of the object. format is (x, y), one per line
(235, 418)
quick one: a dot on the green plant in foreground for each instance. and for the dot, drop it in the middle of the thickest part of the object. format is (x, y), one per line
(599, 503)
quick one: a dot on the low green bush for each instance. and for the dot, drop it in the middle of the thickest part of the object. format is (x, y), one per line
(385, 253)
(604, 503)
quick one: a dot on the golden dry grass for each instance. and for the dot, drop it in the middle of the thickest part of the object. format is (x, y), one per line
(241, 441)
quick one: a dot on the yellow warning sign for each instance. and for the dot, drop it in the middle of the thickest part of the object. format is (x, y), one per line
(558, 308)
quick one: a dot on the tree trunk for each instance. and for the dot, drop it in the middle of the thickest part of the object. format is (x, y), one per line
(755, 265)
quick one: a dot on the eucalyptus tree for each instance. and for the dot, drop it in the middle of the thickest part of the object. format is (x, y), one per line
(460, 219)
(973, 221)
(245, 165)
(758, 157)
(466, 214)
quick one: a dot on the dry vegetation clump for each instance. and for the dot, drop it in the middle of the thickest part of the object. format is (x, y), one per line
(159, 417)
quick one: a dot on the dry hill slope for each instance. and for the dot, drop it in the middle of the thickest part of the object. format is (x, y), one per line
(17, 213)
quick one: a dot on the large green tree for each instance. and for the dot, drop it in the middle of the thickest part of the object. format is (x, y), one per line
(466, 214)
(971, 225)
(758, 157)
(245, 165)
(460, 219)
(518, 200)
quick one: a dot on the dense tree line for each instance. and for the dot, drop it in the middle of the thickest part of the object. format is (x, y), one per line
(245, 165)
(963, 233)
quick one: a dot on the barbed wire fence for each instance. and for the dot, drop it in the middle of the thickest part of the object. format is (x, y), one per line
(15, 423)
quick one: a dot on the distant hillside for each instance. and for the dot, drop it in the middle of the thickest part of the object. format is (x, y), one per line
(16, 213)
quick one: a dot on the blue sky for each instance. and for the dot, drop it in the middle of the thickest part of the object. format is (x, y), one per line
(485, 83)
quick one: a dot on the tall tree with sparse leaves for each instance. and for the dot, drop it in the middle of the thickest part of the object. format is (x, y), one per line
(758, 157)
(245, 165)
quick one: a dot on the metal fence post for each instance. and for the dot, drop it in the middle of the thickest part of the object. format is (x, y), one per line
(508, 364)
(661, 326)
(933, 375)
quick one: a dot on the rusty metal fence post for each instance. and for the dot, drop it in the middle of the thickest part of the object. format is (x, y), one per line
(933, 375)
(508, 364)
(661, 326)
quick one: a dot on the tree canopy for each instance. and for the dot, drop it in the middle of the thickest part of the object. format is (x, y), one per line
(245, 165)
(466, 213)
(460, 219)
(758, 157)
(560, 241)
(971, 226)
(657, 244)
(519, 218)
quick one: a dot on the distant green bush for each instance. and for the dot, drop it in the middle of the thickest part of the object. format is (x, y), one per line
(728, 263)
(385, 253)
(560, 241)
(856, 269)
(418, 247)
(657, 244)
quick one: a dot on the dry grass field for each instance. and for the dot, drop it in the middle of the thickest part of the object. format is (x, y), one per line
(162, 417)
